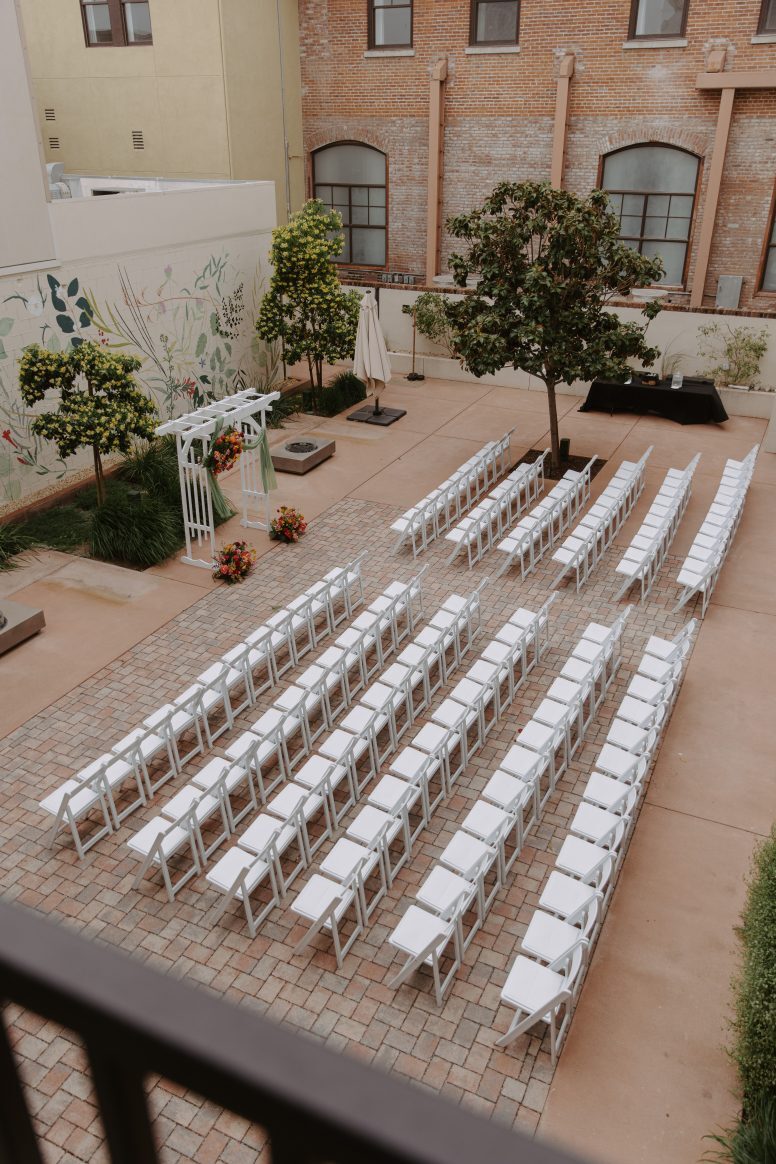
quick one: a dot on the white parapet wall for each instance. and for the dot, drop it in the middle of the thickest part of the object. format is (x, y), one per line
(675, 333)
(174, 277)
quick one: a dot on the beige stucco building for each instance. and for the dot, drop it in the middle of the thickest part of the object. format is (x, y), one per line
(178, 88)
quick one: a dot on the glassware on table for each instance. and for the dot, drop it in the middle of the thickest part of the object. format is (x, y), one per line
(677, 380)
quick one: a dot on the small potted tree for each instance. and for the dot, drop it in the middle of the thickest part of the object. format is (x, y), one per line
(305, 306)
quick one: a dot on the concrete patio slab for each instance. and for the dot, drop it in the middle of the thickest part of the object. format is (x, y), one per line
(717, 758)
(482, 422)
(747, 581)
(672, 441)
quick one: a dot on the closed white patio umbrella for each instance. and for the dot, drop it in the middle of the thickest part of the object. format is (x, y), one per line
(370, 361)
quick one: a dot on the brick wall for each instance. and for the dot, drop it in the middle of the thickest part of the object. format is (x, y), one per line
(500, 110)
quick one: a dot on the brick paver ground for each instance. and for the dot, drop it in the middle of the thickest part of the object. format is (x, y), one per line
(450, 1050)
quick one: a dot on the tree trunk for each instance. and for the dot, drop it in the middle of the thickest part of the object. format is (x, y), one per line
(554, 437)
(99, 476)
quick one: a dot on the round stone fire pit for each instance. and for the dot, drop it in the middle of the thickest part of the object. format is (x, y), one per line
(303, 455)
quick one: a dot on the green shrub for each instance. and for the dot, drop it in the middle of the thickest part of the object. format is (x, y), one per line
(345, 390)
(752, 1141)
(755, 1021)
(140, 530)
(14, 539)
(288, 405)
(62, 527)
(153, 467)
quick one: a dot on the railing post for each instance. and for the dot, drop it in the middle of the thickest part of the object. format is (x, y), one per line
(18, 1142)
(124, 1109)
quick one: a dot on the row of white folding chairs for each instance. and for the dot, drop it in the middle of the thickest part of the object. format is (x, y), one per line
(490, 839)
(488, 521)
(365, 852)
(583, 549)
(647, 550)
(292, 631)
(450, 500)
(540, 529)
(279, 739)
(707, 554)
(331, 781)
(470, 710)
(544, 980)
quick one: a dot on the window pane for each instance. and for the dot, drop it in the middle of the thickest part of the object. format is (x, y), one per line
(616, 203)
(359, 196)
(654, 228)
(324, 193)
(496, 22)
(98, 27)
(344, 255)
(769, 278)
(652, 168)
(633, 204)
(354, 164)
(341, 194)
(681, 205)
(393, 26)
(769, 17)
(368, 246)
(658, 204)
(377, 197)
(630, 224)
(137, 18)
(678, 228)
(659, 17)
(672, 255)
(377, 216)
(361, 215)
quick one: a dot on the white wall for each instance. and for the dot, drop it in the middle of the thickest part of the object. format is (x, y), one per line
(25, 235)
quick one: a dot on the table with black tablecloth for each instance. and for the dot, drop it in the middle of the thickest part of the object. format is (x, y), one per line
(696, 402)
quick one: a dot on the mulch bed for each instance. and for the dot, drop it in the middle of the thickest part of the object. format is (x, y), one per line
(577, 463)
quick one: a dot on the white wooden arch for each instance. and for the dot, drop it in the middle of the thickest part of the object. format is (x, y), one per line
(246, 411)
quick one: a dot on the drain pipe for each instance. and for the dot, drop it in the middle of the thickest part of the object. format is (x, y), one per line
(287, 170)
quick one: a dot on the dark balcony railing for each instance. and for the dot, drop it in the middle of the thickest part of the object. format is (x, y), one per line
(316, 1106)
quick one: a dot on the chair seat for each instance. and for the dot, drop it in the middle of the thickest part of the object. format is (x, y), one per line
(417, 930)
(595, 824)
(626, 735)
(264, 829)
(183, 801)
(553, 714)
(229, 867)
(530, 986)
(565, 895)
(249, 741)
(442, 889)
(392, 795)
(537, 736)
(143, 840)
(147, 743)
(319, 895)
(617, 762)
(346, 856)
(465, 854)
(339, 742)
(524, 763)
(580, 858)
(371, 824)
(487, 822)
(606, 792)
(291, 797)
(636, 711)
(410, 762)
(548, 937)
(506, 791)
(317, 768)
(80, 801)
(431, 737)
(208, 776)
(565, 691)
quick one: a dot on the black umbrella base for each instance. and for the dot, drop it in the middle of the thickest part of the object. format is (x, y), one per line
(384, 417)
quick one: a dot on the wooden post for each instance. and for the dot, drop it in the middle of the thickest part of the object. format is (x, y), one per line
(565, 74)
(726, 99)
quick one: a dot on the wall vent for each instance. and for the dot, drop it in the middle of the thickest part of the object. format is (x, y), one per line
(50, 114)
(53, 143)
(137, 139)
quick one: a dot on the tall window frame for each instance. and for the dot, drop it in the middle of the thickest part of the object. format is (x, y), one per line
(376, 6)
(642, 237)
(119, 23)
(767, 269)
(474, 16)
(767, 20)
(634, 34)
(345, 204)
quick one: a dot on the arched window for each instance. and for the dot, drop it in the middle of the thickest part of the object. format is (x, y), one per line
(352, 179)
(652, 190)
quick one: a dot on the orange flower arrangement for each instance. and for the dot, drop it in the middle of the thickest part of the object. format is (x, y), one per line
(224, 451)
(288, 526)
(234, 563)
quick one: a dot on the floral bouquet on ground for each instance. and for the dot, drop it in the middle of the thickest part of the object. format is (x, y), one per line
(288, 526)
(224, 451)
(234, 562)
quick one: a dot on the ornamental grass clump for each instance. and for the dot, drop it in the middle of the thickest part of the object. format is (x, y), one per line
(234, 563)
(288, 526)
(137, 529)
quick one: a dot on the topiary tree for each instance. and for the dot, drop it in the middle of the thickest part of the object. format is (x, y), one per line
(305, 306)
(100, 405)
(548, 262)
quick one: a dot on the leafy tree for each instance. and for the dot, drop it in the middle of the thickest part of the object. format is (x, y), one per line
(305, 306)
(100, 405)
(430, 318)
(548, 262)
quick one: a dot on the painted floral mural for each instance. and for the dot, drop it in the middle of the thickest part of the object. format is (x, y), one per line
(192, 329)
